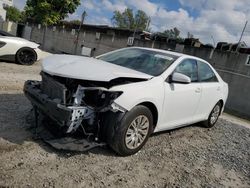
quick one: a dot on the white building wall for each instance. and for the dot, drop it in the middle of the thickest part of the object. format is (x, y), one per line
(6, 2)
(2, 15)
(2, 11)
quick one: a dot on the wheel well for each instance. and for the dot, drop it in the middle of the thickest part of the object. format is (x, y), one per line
(26, 47)
(222, 103)
(31, 49)
(153, 110)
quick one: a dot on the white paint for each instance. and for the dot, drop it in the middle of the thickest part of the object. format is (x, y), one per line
(86, 51)
(130, 41)
(248, 61)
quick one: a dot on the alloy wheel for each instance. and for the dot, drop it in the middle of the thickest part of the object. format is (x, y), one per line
(137, 132)
(215, 114)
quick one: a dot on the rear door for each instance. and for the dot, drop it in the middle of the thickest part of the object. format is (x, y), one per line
(211, 90)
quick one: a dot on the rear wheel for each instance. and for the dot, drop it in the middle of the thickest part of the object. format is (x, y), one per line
(26, 56)
(132, 132)
(214, 115)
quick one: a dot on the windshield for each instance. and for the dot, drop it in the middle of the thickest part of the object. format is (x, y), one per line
(142, 60)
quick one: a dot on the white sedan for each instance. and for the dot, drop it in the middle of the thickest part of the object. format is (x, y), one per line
(18, 49)
(124, 96)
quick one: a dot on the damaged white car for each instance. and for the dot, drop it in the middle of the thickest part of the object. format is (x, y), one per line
(122, 97)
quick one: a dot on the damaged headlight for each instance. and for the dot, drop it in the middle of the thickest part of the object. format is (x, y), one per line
(87, 102)
(95, 97)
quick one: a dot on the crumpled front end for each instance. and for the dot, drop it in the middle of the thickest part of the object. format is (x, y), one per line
(73, 105)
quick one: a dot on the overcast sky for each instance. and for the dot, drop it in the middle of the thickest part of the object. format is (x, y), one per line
(222, 19)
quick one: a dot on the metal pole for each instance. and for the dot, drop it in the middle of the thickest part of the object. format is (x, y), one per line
(213, 40)
(135, 29)
(44, 33)
(79, 30)
(242, 34)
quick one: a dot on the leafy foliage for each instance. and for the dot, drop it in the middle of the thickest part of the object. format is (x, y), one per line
(172, 33)
(129, 20)
(13, 14)
(75, 22)
(49, 12)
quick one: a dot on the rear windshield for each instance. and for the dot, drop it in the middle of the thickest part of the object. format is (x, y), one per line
(142, 60)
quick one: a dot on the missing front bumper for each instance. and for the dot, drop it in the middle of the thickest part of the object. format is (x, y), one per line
(66, 117)
(69, 117)
(50, 107)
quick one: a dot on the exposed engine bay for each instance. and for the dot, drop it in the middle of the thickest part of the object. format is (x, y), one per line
(75, 107)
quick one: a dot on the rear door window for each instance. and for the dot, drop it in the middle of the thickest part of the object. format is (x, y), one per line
(206, 74)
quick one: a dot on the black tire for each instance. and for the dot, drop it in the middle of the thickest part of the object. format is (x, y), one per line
(26, 56)
(117, 130)
(211, 122)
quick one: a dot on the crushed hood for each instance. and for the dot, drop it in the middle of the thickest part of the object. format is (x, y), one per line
(85, 68)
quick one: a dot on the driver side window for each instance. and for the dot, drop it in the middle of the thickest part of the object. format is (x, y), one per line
(189, 68)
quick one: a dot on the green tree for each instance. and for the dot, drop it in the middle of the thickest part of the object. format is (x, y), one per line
(49, 12)
(142, 20)
(75, 22)
(13, 14)
(172, 33)
(129, 20)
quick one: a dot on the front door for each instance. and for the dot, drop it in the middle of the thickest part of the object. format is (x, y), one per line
(181, 100)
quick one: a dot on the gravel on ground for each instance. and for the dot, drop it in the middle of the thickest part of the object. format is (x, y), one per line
(188, 157)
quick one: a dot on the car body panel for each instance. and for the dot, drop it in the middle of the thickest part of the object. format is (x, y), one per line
(180, 104)
(13, 44)
(86, 68)
(140, 92)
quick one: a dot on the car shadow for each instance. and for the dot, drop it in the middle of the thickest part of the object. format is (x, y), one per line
(8, 61)
(199, 125)
(17, 127)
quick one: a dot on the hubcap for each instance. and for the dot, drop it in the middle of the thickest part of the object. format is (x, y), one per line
(215, 114)
(137, 132)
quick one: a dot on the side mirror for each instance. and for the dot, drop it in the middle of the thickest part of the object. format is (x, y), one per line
(179, 78)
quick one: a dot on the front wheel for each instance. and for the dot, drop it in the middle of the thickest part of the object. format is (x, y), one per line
(213, 116)
(132, 132)
(26, 56)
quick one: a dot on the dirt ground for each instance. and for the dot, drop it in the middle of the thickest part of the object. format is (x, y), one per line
(188, 157)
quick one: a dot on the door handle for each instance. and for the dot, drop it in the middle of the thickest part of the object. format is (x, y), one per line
(218, 88)
(198, 90)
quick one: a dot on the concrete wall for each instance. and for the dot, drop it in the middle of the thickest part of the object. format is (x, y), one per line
(9, 27)
(231, 66)
(64, 41)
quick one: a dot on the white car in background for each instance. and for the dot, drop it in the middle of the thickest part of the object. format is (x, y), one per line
(18, 49)
(123, 96)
